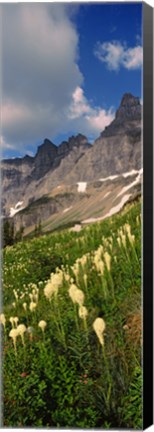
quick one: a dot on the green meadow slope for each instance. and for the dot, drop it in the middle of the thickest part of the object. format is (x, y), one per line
(72, 327)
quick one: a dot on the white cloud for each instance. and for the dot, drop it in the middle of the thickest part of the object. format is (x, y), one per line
(42, 83)
(39, 68)
(79, 104)
(115, 54)
(87, 119)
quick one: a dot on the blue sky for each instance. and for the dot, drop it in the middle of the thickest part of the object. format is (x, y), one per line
(66, 69)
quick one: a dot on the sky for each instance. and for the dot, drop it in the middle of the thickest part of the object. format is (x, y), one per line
(65, 68)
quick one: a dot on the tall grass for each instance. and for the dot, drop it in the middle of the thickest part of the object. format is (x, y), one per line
(60, 369)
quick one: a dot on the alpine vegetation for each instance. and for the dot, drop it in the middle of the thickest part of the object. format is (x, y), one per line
(72, 328)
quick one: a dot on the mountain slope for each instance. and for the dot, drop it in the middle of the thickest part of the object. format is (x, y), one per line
(56, 172)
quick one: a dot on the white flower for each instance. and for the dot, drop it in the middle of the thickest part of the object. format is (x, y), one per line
(99, 264)
(32, 306)
(21, 329)
(2, 319)
(107, 258)
(12, 321)
(42, 324)
(30, 331)
(83, 312)
(25, 306)
(16, 319)
(85, 279)
(79, 297)
(76, 295)
(13, 334)
(99, 327)
(49, 290)
(71, 292)
(15, 294)
(128, 231)
(67, 277)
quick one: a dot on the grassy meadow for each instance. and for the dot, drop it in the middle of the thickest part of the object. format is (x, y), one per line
(71, 325)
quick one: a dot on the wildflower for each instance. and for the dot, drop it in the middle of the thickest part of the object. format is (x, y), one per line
(30, 331)
(35, 297)
(107, 258)
(83, 312)
(25, 306)
(126, 327)
(2, 319)
(49, 290)
(79, 297)
(57, 278)
(15, 294)
(99, 264)
(16, 319)
(76, 295)
(21, 329)
(67, 277)
(85, 279)
(76, 269)
(23, 375)
(13, 304)
(13, 334)
(71, 291)
(99, 327)
(42, 324)
(32, 306)
(121, 239)
(12, 321)
(98, 260)
(128, 231)
(53, 285)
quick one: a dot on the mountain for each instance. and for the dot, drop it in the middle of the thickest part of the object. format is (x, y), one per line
(76, 175)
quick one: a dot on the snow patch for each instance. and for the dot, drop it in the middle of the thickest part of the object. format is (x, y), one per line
(130, 173)
(119, 206)
(90, 220)
(82, 186)
(112, 211)
(107, 193)
(19, 204)
(16, 209)
(112, 177)
(13, 211)
(125, 188)
(76, 228)
(127, 174)
(67, 209)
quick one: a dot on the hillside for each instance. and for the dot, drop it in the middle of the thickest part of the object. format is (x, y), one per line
(86, 180)
(73, 302)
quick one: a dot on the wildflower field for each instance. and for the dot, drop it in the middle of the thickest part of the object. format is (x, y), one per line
(71, 326)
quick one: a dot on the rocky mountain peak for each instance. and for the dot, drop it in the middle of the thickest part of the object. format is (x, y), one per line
(47, 148)
(77, 140)
(44, 158)
(130, 108)
(129, 111)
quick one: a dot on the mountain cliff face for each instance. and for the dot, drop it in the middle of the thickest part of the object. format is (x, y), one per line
(116, 151)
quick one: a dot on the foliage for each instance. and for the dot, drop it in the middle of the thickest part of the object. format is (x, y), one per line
(63, 371)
